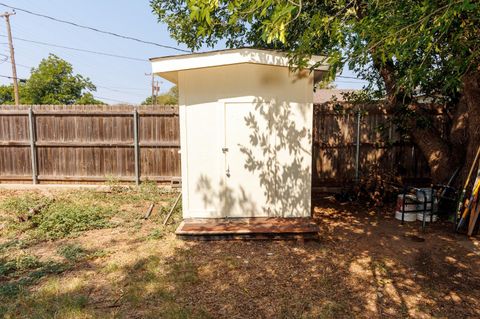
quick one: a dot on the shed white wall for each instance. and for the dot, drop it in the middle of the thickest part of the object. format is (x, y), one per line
(263, 115)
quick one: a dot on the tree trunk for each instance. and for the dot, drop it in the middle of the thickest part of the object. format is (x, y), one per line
(458, 148)
(471, 92)
(437, 152)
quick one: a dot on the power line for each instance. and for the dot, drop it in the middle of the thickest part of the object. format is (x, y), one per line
(109, 99)
(119, 91)
(349, 77)
(11, 77)
(77, 49)
(113, 89)
(349, 82)
(94, 29)
(18, 64)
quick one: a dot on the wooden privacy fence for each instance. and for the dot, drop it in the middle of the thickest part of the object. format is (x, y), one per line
(124, 143)
(348, 144)
(89, 143)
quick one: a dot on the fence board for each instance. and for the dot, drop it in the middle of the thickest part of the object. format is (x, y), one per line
(96, 143)
(334, 142)
(89, 143)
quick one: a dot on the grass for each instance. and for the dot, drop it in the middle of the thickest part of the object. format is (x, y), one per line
(72, 213)
(22, 272)
(61, 263)
(72, 252)
(33, 286)
(66, 218)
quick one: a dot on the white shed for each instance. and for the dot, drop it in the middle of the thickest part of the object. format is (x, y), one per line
(246, 132)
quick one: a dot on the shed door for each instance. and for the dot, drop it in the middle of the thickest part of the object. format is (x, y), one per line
(248, 147)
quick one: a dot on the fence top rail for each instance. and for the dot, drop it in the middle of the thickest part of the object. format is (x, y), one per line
(339, 108)
(90, 108)
(88, 112)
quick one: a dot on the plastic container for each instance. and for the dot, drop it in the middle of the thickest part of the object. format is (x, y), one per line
(409, 217)
(410, 208)
(426, 192)
(427, 217)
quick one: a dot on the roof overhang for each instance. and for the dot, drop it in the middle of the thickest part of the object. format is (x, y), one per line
(169, 66)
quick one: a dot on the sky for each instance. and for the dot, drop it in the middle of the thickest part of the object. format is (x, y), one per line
(117, 80)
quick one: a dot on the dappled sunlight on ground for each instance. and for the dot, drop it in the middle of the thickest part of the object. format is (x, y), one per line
(365, 265)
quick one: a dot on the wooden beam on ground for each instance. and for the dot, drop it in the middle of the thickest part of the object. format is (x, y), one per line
(172, 209)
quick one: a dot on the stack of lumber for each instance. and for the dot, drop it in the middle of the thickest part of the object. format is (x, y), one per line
(469, 206)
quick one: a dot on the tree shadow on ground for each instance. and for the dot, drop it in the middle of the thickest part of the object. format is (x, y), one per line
(364, 265)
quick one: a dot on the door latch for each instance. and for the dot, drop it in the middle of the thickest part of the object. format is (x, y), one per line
(224, 149)
(228, 172)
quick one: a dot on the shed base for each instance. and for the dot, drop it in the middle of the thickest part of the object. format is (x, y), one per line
(248, 228)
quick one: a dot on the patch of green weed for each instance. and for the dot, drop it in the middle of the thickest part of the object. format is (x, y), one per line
(64, 218)
(157, 233)
(21, 204)
(72, 252)
(24, 271)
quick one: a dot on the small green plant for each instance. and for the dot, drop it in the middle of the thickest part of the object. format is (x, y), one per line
(26, 262)
(157, 233)
(72, 252)
(21, 263)
(114, 184)
(20, 205)
(7, 267)
(62, 219)
(24, 271)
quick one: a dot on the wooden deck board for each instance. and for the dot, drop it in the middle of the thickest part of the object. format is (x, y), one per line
(251, 228)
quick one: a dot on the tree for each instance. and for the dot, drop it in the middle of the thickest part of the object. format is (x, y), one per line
(169, 98)
(6, 93)
(52, 82)
(405, 49)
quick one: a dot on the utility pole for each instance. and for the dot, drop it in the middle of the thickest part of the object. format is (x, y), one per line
(7, 15)
(155, 88)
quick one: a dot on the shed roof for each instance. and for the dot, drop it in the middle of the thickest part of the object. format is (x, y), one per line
(168, 66)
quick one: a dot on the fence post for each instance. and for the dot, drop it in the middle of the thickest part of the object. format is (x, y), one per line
(136, 145)
(33, 150)
(357, 155)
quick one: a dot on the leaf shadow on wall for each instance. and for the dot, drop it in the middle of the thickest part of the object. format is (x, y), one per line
(276, 155)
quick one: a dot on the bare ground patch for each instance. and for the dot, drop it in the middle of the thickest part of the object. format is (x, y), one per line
(364, 265)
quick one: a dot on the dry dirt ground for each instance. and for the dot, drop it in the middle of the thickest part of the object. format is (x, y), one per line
(365, 265)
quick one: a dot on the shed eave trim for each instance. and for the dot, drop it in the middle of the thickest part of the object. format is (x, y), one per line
(227, 57)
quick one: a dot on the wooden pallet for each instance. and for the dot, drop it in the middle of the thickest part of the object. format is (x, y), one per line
(248, 228)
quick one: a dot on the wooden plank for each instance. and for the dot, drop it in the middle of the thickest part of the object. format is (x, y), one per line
(85, 178)
(13, 112)
(91, 113)
(89, 144)
(14, 143)
(238, 226)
